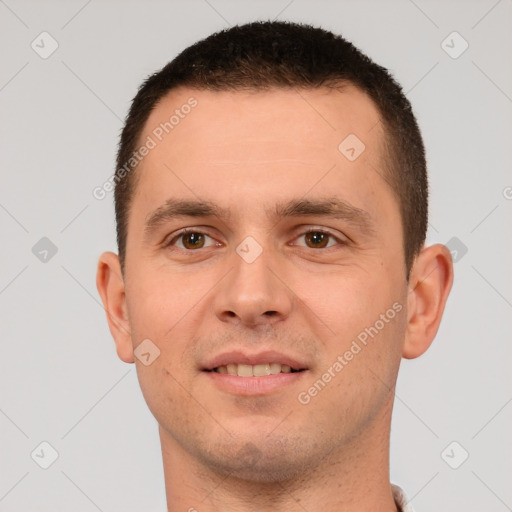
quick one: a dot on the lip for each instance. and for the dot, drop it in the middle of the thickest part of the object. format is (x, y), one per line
(268, 356)
(253, 386)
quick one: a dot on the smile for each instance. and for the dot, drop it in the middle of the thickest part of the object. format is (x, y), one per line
(257, 370)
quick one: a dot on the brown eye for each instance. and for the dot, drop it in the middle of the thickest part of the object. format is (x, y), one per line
(316, 239)
(190, 240)
(193, 240)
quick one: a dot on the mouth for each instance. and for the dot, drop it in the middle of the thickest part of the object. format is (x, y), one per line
(256, 370)
(266, 373)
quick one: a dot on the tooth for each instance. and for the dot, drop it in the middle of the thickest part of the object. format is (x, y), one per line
(260, 370)
(257, 370)
(275, 368)
(245, 370)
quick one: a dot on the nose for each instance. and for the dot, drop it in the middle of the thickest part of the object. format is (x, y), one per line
(253, 293)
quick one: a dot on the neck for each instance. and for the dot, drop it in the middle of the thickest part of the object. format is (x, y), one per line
(354, 478)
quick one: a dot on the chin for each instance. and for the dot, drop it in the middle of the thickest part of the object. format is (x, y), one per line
(258, 460)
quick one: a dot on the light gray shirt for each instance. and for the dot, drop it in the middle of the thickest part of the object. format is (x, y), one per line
(401, 499)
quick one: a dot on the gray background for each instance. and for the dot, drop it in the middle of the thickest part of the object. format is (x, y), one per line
(60, 379)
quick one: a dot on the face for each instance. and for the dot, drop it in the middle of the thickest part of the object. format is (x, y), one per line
(266, 265)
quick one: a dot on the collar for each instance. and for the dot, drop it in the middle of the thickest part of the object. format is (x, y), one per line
(401, 500)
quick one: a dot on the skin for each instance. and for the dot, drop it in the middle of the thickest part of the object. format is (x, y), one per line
(247, 152)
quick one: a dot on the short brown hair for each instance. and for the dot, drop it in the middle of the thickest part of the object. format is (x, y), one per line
(263, 55)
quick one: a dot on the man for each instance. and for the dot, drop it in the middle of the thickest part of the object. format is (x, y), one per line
(271, 207)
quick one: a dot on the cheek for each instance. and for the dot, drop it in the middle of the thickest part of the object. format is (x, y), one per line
(162, 308)
(345, 301)
(159, 302)
(360, 364)
(360, 317)
(164, 391)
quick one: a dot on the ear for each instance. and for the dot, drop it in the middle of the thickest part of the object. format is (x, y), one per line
(429, 285)
(110, 284)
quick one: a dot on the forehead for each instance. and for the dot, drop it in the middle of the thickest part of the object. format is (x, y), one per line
(272, 120)
(252, 147)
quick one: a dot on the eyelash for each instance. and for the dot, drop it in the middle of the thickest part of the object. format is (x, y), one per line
(187, 231)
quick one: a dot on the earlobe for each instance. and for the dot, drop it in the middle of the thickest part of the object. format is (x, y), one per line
(110, 284)
(429, 286)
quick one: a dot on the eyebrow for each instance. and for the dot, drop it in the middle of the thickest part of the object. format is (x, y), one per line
(334, 208)
(176, 208)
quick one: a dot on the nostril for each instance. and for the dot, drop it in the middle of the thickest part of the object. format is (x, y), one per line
(270, 313)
